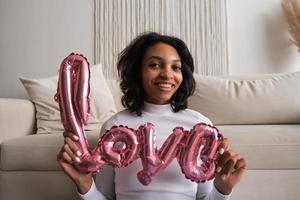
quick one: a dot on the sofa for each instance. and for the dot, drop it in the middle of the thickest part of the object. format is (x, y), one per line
(260, 114)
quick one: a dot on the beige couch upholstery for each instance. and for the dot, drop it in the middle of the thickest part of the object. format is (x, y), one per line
(260, 114)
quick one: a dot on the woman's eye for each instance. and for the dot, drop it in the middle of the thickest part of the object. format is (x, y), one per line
(177, 68)
(154, 65)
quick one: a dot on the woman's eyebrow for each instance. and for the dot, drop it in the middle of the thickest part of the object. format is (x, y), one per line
(161, 58)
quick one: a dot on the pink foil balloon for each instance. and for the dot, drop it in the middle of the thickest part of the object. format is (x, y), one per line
(196, 150)
(73, 98)
(199, 153)
(153, 160)
(119, 146)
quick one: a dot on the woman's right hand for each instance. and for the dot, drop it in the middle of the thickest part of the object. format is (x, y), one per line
(69, 154)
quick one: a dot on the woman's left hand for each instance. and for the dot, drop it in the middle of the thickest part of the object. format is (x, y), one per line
(230, 168)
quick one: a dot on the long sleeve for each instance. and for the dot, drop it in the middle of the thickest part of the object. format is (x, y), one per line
(207, 191)
(92, 194)
(103, 187)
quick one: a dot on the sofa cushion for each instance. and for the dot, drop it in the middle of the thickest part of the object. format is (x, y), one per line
(41, 92)
(36, 152)
(10, 110)
(114, 86)
(256, 99)
(263, 146)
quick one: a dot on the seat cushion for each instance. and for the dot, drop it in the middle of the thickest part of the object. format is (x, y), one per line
(263, 146)
(266, 146)
(35, 152)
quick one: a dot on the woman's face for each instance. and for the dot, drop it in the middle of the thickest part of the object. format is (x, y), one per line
(161, 73)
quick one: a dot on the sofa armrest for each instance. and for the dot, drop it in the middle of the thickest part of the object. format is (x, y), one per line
(17, 118)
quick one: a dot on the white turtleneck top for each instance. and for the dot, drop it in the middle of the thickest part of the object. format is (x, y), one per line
(167, 184)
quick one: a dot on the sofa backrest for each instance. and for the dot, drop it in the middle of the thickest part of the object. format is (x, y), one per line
(251, 99)
(247, 99)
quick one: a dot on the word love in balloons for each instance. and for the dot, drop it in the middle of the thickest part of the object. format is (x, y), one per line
(196, 150)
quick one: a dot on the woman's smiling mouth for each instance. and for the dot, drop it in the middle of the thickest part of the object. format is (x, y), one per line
(165, 87)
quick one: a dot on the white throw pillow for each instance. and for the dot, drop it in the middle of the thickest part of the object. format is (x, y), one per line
(250, 99)
(41, 91)
(114, 86)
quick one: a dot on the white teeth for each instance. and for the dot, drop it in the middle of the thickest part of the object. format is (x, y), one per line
(165, 85)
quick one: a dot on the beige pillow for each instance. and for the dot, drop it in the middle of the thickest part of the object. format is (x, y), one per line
(114, 86)
(41, 92)
(256, 99)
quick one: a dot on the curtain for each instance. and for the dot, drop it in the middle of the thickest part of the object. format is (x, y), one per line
(202, 24)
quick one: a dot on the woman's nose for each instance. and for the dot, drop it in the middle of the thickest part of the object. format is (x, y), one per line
(166, 72)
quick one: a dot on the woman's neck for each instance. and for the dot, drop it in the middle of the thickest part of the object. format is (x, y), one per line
(157, 108)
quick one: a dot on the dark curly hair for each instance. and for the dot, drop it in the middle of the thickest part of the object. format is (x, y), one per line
(129, 70)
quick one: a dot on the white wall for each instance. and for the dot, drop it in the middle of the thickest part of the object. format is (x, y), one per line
(257, 38)
(35, 35)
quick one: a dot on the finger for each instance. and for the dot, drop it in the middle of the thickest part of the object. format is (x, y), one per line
(225, 157)
(240, 168)
(221, 151)
(61, 159)
(68, 150)
(229, 165)
(73, 146)
(71, 171)
(66, 133)
(240, 164)
(71, 135)
(68, 156)
(225, 144)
